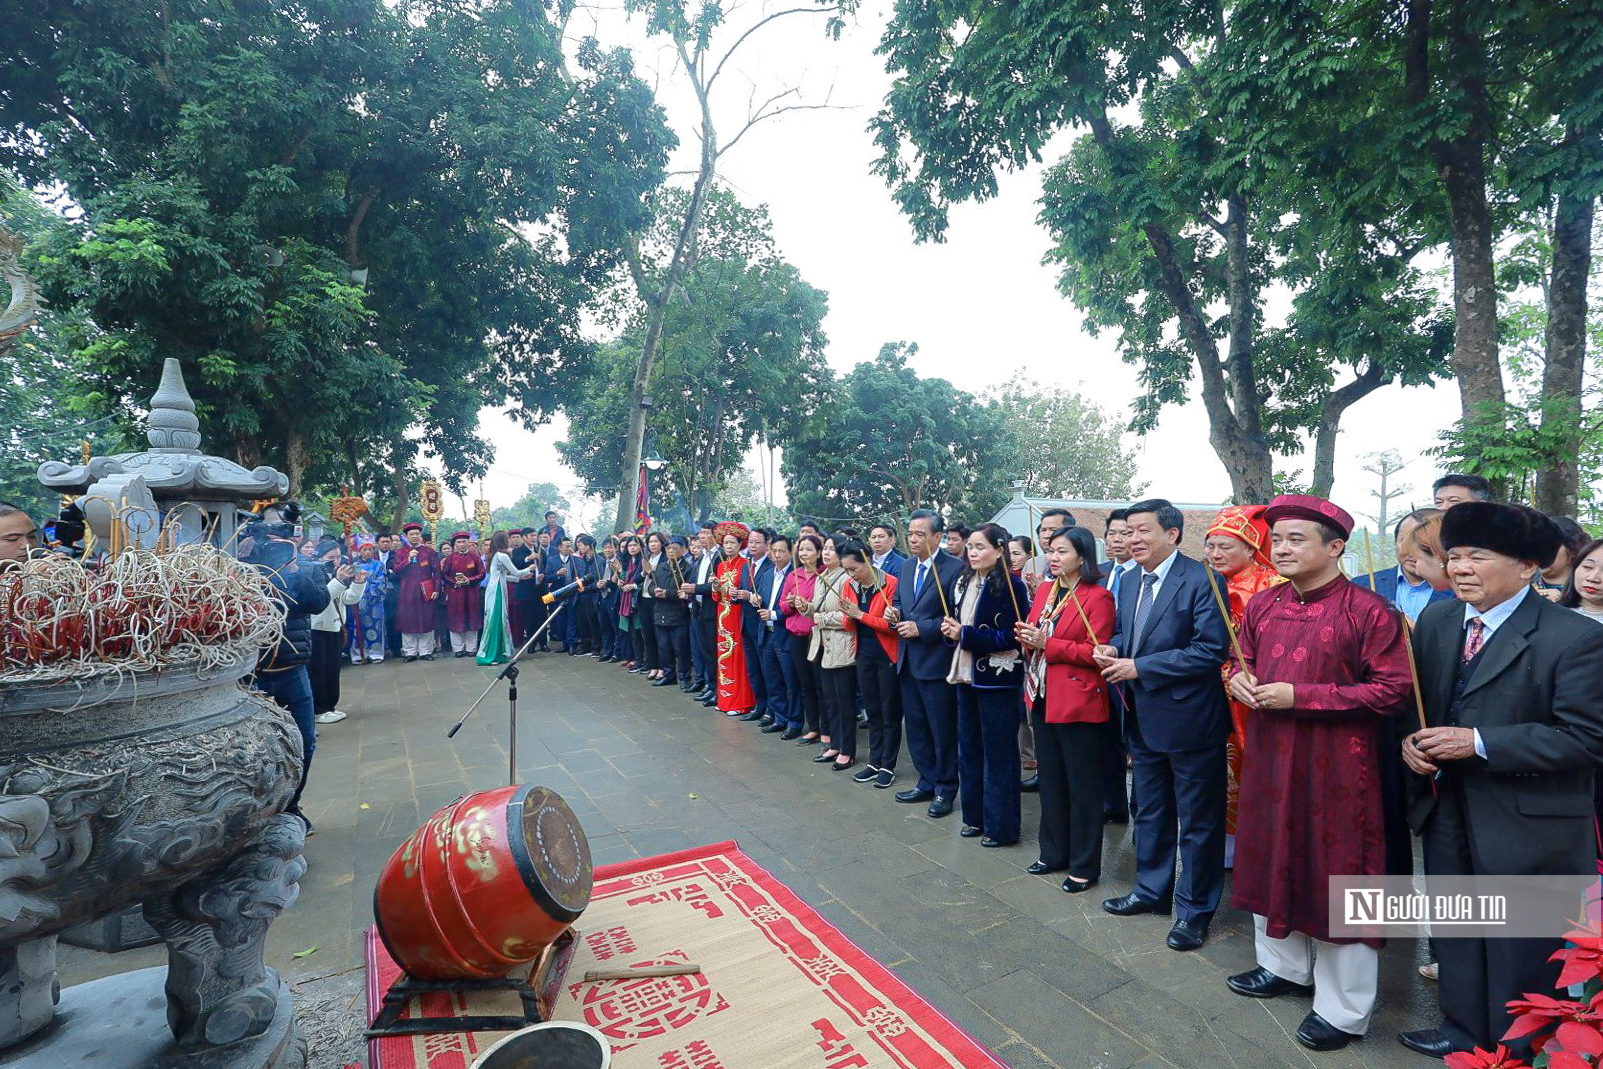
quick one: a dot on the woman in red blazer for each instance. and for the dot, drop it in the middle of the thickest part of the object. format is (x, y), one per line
(873, 591)
(1068, 701)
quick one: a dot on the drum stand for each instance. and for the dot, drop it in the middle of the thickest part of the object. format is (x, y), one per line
(537, 991)
(510, 674)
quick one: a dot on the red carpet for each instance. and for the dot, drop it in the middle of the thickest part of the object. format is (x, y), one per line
(780, 987)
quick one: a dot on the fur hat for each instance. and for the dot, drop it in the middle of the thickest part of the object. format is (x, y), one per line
(1516, 531)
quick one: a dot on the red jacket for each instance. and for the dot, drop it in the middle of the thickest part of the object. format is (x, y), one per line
(874, 618)
(1076, 693)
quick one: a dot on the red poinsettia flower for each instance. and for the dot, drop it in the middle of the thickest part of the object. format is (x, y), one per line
(1480, 1059)
(1534, 1013)
(1584, 960)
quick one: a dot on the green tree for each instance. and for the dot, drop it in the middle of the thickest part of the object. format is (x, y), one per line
(243, 173)
(704, 44)
(740, 356)
(530, 509)
(1067, 446)
(1171, 217)
(888, 441)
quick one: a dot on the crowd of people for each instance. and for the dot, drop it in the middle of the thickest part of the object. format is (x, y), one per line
(1256, 710)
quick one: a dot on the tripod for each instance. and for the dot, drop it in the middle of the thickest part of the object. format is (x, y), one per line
(509, 672)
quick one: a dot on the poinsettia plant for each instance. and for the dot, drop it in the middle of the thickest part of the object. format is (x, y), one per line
(1564, 1033)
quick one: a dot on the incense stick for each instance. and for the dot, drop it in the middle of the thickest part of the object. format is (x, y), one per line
(1369, 557)
(1224, 610)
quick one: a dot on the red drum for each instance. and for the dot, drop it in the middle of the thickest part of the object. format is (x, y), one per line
(488, 883)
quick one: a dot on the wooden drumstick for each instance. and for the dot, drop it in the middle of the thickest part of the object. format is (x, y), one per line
(645, 972)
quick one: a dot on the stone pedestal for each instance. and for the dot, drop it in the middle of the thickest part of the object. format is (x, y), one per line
(120, 1022)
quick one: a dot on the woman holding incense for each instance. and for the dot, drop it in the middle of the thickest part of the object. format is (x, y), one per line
(834, 649)
(1068, 702)
(877, 648)
(795, 597)
(988, 672)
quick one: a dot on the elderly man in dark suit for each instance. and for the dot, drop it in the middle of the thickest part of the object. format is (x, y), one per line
(929, 704)
(1513, 692)
(1169, 644)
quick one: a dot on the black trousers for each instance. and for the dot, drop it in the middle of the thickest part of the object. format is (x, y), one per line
(1478, 976)
(808, 682)
(651, 637)
(589, 634)
(882, 697)
(1069, 762)
(673, 647)
(707, 624)
(637, 634)
(536, 615)
(1117, 802)
(840, 707)
(324, 669)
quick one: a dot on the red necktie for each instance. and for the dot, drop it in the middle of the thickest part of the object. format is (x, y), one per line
(1476, 640)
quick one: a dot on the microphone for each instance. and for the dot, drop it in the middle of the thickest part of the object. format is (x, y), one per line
(562, 592)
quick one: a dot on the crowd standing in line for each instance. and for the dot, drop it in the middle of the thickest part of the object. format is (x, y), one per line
(1257, 710)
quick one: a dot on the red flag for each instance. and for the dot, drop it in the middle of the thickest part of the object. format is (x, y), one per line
(642, 505)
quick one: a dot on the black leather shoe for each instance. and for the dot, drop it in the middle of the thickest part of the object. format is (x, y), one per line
(940, 807)
(822, 756)
(991, 844)
(1261, 983)
(772, 729)
(768, 718)
(1132, 903)
(1031, 785)
(808, 742)
(970, 833)
(790, 734)
(1316, 1033)
(1041, 868)
(1074, 887)
(1187, 935)
(842, 766)
(751, 717)
(665, 681)
(1431, 1042)
(711, 703)
(914, 795)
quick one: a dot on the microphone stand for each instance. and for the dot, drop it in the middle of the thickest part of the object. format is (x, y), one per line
(510, 673)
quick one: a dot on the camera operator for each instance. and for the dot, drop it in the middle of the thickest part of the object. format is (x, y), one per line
(18, 534)
(301, 588)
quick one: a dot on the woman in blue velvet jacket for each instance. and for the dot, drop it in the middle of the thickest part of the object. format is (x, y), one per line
(988, 672)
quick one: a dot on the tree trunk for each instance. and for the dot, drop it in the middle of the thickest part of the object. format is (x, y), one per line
(1557, 484)
(1461, 166)
(403, 498)
(1236, 441)
(296, 460)
(1337, 402)
(677, 264)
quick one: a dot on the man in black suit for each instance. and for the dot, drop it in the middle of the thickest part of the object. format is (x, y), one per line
(1168, 645)
(1115, 538)
(1511, 685)
(929, 705)
(751, 580)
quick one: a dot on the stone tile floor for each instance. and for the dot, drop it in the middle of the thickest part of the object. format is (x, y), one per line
(1042, 978)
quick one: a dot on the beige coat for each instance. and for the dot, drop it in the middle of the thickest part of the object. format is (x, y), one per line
(831, 635)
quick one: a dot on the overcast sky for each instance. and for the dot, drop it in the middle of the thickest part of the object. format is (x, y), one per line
(980, 306)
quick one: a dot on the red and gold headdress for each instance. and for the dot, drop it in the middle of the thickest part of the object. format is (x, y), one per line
(1246, 524)
(732, 527)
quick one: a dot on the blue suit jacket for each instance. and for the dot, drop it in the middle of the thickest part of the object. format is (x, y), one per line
(553, 564)
(929, 656)
(1180, 700)
(755, 579)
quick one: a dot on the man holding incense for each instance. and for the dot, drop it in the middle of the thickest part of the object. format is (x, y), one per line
(1320, 660)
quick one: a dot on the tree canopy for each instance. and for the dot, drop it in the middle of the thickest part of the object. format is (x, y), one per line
(741, 357)
(1064, 444)
(350, 219)
(888, 441)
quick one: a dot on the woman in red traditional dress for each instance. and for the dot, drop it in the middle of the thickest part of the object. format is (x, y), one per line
(1238, 548)
(734, 687)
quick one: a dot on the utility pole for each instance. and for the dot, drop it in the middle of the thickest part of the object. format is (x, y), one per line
(1384, 465)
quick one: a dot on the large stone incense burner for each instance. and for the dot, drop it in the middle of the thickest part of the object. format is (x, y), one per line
(163, 789)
